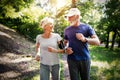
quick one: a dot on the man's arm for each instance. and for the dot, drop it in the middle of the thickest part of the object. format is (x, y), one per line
(94, 40)
(68, 49)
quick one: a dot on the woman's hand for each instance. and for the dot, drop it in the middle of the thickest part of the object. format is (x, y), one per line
(37, 57)
(51, 49)
(69, 50)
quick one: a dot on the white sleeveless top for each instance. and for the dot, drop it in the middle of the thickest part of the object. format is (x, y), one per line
(48, 58)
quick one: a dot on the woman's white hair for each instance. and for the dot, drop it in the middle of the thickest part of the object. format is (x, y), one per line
(45, 21)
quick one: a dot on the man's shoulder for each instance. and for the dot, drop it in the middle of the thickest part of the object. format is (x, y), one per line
(84, 25)
(67, 27)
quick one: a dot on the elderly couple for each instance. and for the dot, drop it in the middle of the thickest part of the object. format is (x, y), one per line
(77, 36)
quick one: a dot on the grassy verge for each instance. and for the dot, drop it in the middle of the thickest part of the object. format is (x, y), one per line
(105, 63)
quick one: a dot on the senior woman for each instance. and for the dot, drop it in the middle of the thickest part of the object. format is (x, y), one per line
(49, 60)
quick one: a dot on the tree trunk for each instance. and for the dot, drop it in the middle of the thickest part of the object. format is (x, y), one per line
(107, 41)
(119, 39)
(74, 3)
(113, 39)
(119, 43)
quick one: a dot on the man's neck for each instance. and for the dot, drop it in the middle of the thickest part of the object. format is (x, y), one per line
(77, 23)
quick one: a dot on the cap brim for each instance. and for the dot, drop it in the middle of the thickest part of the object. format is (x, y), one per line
(68, 15)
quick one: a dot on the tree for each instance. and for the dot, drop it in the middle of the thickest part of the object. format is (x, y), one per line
(90, 14)
(11, 8)
(112, 12)
(74, 3)
(21, 15)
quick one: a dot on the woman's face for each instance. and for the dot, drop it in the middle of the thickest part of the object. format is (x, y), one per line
(48, 28)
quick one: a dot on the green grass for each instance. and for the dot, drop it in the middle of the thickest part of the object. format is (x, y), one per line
(105, 63)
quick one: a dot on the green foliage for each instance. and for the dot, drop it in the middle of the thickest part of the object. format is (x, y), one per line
(111, 18)
(90, 12)
(107, 65)
(23, 16)
(93, 75)
(11, 8)
(103, 54)
(30, 30)
(112, 12)
(60, 25)
(23, 26)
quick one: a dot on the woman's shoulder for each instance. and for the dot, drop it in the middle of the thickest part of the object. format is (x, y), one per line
(55, 34)
(39, 36)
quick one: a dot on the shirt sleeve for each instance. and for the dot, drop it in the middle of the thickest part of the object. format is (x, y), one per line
(59, 38)
(37, 39)
(65, 35)
(91, 31)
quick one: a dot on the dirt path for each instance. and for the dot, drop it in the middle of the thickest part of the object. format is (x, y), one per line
(17, 67)
(20, 66)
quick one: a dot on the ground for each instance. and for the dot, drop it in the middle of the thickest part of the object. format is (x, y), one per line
(17, 57)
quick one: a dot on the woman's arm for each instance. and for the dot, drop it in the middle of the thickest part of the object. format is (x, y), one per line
(66, 49)
(37, 57)
(51, 49)
(60, 50)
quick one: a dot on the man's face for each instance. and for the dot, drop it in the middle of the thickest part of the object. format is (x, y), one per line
(73, 19)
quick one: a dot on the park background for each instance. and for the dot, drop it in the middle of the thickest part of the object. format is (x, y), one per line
(19, 25)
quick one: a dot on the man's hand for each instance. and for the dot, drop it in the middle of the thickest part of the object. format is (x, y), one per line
(69, 50)
(81, 37)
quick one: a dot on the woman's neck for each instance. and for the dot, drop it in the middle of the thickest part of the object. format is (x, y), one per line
(46, 35)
